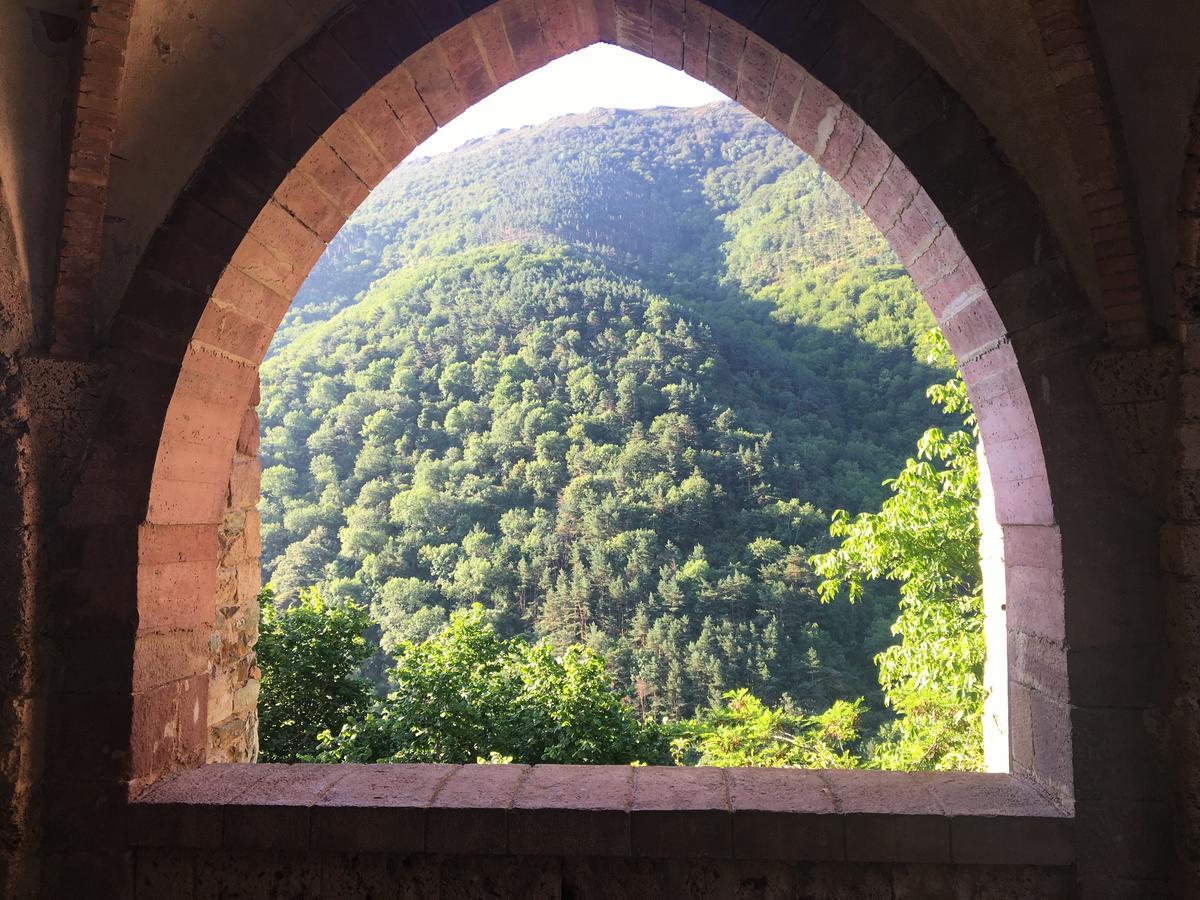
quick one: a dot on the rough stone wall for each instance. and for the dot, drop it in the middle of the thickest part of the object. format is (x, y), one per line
(47, 408)
(162, 874)
(234, 676)
(1181, 537)
(1114, 628)
(19, 566)
(51, 405)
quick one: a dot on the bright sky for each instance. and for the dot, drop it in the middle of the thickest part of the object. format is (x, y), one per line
(600, 75)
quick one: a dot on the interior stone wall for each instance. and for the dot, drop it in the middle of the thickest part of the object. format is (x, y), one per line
(1181, 536)
(289, 874)
(18, 560)
(68, 566)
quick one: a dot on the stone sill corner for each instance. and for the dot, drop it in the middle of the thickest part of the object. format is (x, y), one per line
(625, 811)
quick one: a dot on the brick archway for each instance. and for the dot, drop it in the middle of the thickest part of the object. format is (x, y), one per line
(349, 105)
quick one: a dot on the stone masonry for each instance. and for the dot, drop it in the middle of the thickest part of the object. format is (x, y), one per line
(233, 674)
(169, 172)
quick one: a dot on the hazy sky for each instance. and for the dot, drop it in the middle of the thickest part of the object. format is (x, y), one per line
(600, 75)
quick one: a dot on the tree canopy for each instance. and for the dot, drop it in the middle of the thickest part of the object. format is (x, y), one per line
(925, 539)
(309, 653)
(465, 694)
(582, 393)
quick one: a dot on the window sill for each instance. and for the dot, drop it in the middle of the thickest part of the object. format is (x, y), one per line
(621, 811)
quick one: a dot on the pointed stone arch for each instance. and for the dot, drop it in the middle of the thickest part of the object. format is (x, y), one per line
(350, 104)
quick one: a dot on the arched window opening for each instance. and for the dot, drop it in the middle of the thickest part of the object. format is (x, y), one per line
(291, 169)
(605, 381)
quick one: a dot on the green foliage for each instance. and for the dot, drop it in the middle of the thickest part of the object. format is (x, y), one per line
(743, 731)
(309, 654)
(465, 694)
(560, 445)
(925, 538)
(601, 377)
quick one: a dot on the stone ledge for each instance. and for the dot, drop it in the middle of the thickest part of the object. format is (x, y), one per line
(616, 811)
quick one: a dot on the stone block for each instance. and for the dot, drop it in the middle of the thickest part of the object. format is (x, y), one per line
(726, 42)
(470, 812)
(174, 254)
(1038, 663)
(321, 165)
(785, 91)
(634, 28)
(162, 657)
(377, 808)
(377, 35)
(249, 583)
(971, 327)
(760, 61)
(237, 289)
(274, 875)
(274, 812)
(680, 812)
(890, 817)
(164, 873)
(347, 876)
(1024, 501)
(467, 877)
(234, 331)
(309, 203)
(174, 502)
(1003, 234)
(1036, 600)
(1121, 675)
(355, 148)
(268, 266)
(175, 597)
(667, 26)
(1003, 820)
(573, 810)
(232, 740)
(184, 809)
(696, 21)
(1127, 839)
(943, 257)
(165, 544)
(916, 228)
(488, 29)
(842, 144)
(245, 479)
(1052, 753)
(784, 814)
(894, 192)
(588, 21)
(524, 35)
(246, 696)
(1116, 754)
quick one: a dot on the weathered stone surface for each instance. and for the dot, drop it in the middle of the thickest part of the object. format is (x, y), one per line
(233, 675)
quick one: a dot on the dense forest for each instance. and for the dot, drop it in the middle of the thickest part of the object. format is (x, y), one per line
(602, 381)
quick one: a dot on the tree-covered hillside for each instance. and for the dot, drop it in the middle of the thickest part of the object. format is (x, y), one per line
(604, 376)
(700, 204)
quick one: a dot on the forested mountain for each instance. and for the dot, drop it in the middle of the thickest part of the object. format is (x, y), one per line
(605, 376)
